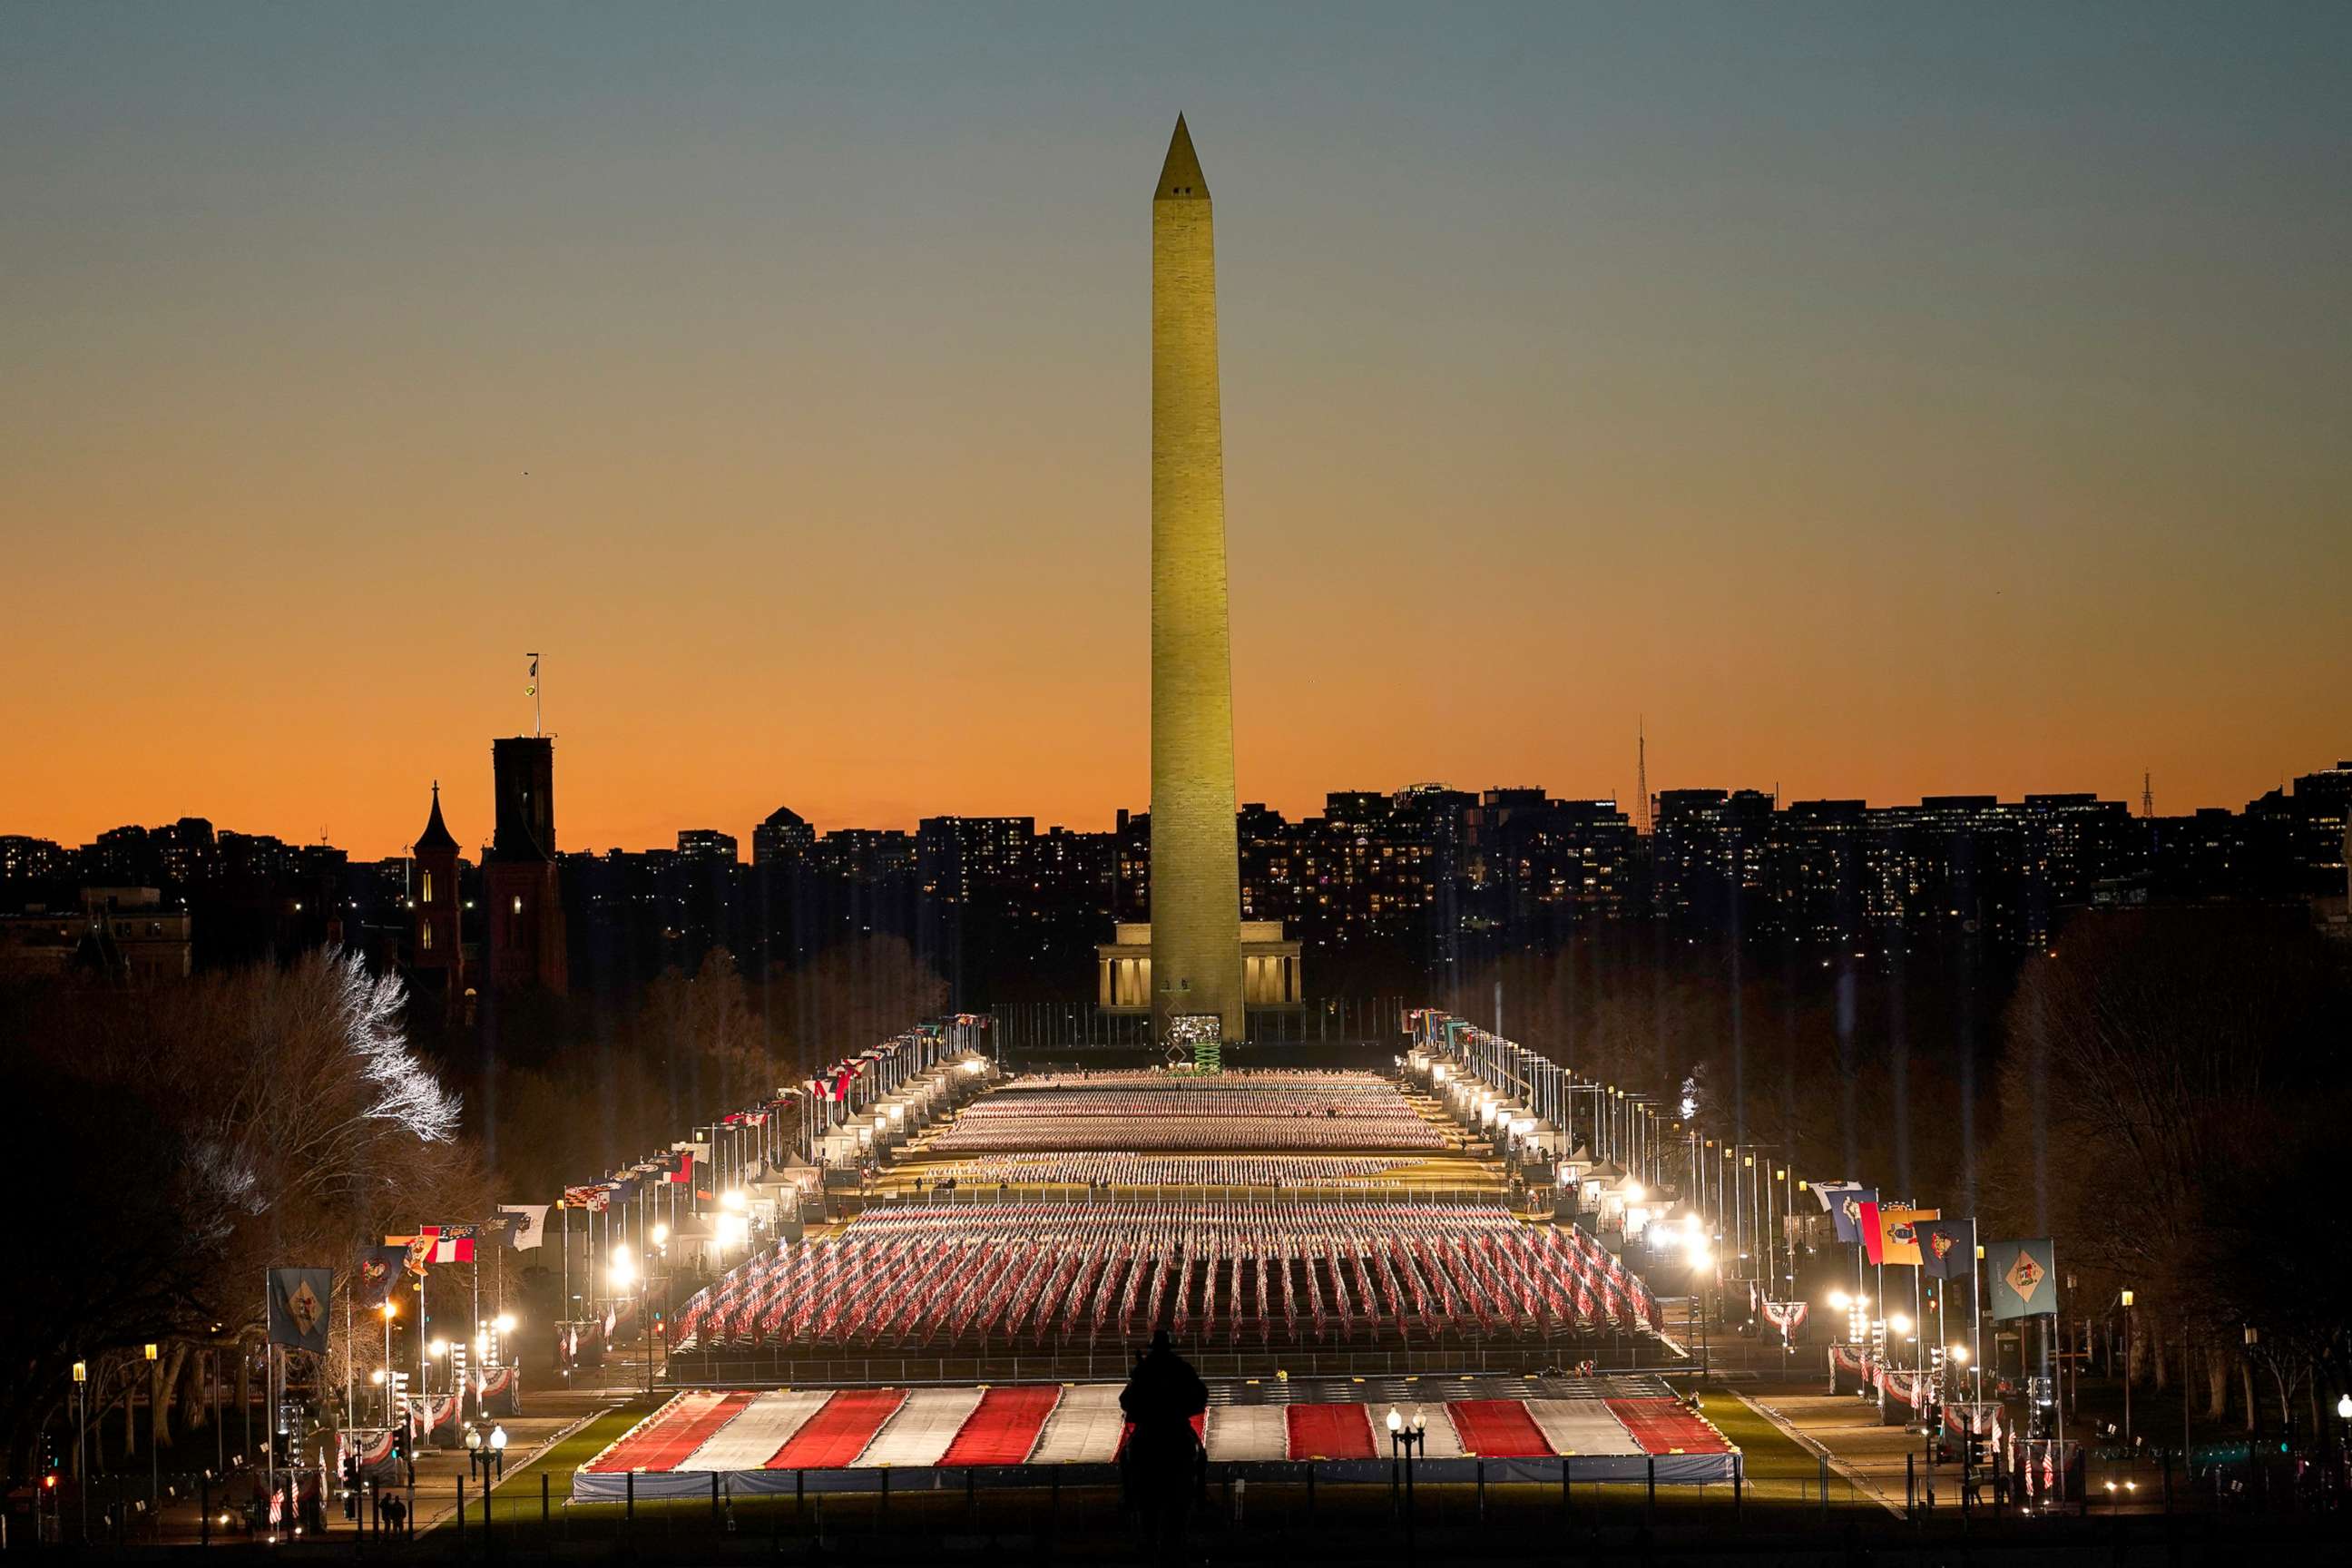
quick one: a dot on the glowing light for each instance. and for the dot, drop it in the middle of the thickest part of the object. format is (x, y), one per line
(1396, 1420)
(1840, 1300)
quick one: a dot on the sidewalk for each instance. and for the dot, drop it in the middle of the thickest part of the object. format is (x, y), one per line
(1870, 1456)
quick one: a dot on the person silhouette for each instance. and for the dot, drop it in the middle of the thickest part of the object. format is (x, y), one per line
(1160, 1399)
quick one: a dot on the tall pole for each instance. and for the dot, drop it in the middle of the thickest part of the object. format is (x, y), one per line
(2127, 1372)
(268, 1387)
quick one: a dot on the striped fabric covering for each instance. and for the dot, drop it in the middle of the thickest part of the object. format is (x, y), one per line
(1329, 1431)
(1004, 1428)
(873, 1429)
(1666, 1426)
(1498, 1429)
(924, 1427)
(1085, 1427)
(1439, 1437)
(1582, 1427)
(1248, 1432)
(672, 1432)
(759, 1431)
(837, 1433)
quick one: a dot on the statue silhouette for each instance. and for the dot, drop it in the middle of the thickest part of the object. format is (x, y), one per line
(1163, 1456)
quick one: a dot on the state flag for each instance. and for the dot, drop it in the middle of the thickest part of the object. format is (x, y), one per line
(2024, 1275)
(379, 1270)
(1896, 1242)
(526, 1225)
(448, 1243)
(1947, 1248)
(1847, 1213)
(298, 1308)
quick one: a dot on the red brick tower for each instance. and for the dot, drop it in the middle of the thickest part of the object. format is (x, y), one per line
(518, 877)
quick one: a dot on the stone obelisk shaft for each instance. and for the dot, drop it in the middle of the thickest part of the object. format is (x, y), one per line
(1196, 960)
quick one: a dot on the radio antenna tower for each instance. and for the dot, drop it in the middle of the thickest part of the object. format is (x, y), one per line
(2146, 797)
(1642, 767)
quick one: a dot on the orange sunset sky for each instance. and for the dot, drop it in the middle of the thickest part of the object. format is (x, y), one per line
(1874, 405)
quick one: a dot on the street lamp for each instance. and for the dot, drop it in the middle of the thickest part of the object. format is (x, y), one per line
(390, 1310)
(2127, 1372)
(625, 1273)
(154, 1458)
(1406, 1439)
(498, 1451)
(81, 1428)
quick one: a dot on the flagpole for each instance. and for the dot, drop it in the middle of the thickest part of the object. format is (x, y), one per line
(1976, 1323)
(351, 1393)
(269, 1388)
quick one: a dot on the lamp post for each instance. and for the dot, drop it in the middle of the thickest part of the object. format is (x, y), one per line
(390, 1310)
(82, 1427)
(1406, 1438)
(625, 1273)
(154, 1460)
(2127, 1372)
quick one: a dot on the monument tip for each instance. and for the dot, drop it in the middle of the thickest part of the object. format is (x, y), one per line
(1180, 177)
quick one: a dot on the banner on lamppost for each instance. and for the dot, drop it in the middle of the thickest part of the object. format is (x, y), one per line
(1947, 1248)
(2025, 1276)
(298, 1308)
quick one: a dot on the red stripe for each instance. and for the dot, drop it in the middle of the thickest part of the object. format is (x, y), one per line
(1498, 1429)
(678, 1430)
(837, 1433)
(1665, 1427)
(1006, 1426)
(1328, 1431)
(1200, 1431)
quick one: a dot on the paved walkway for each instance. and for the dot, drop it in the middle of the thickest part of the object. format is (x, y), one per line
(1866, 1454)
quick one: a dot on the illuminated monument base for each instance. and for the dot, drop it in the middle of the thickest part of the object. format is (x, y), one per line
(1270, 972)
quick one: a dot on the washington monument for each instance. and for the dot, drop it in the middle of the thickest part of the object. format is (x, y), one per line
(1196, 960)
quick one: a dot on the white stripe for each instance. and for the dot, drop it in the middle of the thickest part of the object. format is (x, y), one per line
(1439, 1439)
(921, 1430)
(757, 1431)
(1084, 1428)
(1582, 1427)
(1248, 1432)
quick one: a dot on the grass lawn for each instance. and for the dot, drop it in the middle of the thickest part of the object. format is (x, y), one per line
(517, 1497)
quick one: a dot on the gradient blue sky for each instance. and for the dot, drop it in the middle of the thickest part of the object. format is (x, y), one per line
(1882, 400)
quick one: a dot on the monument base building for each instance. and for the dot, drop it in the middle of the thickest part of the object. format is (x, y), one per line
(1270, 969)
